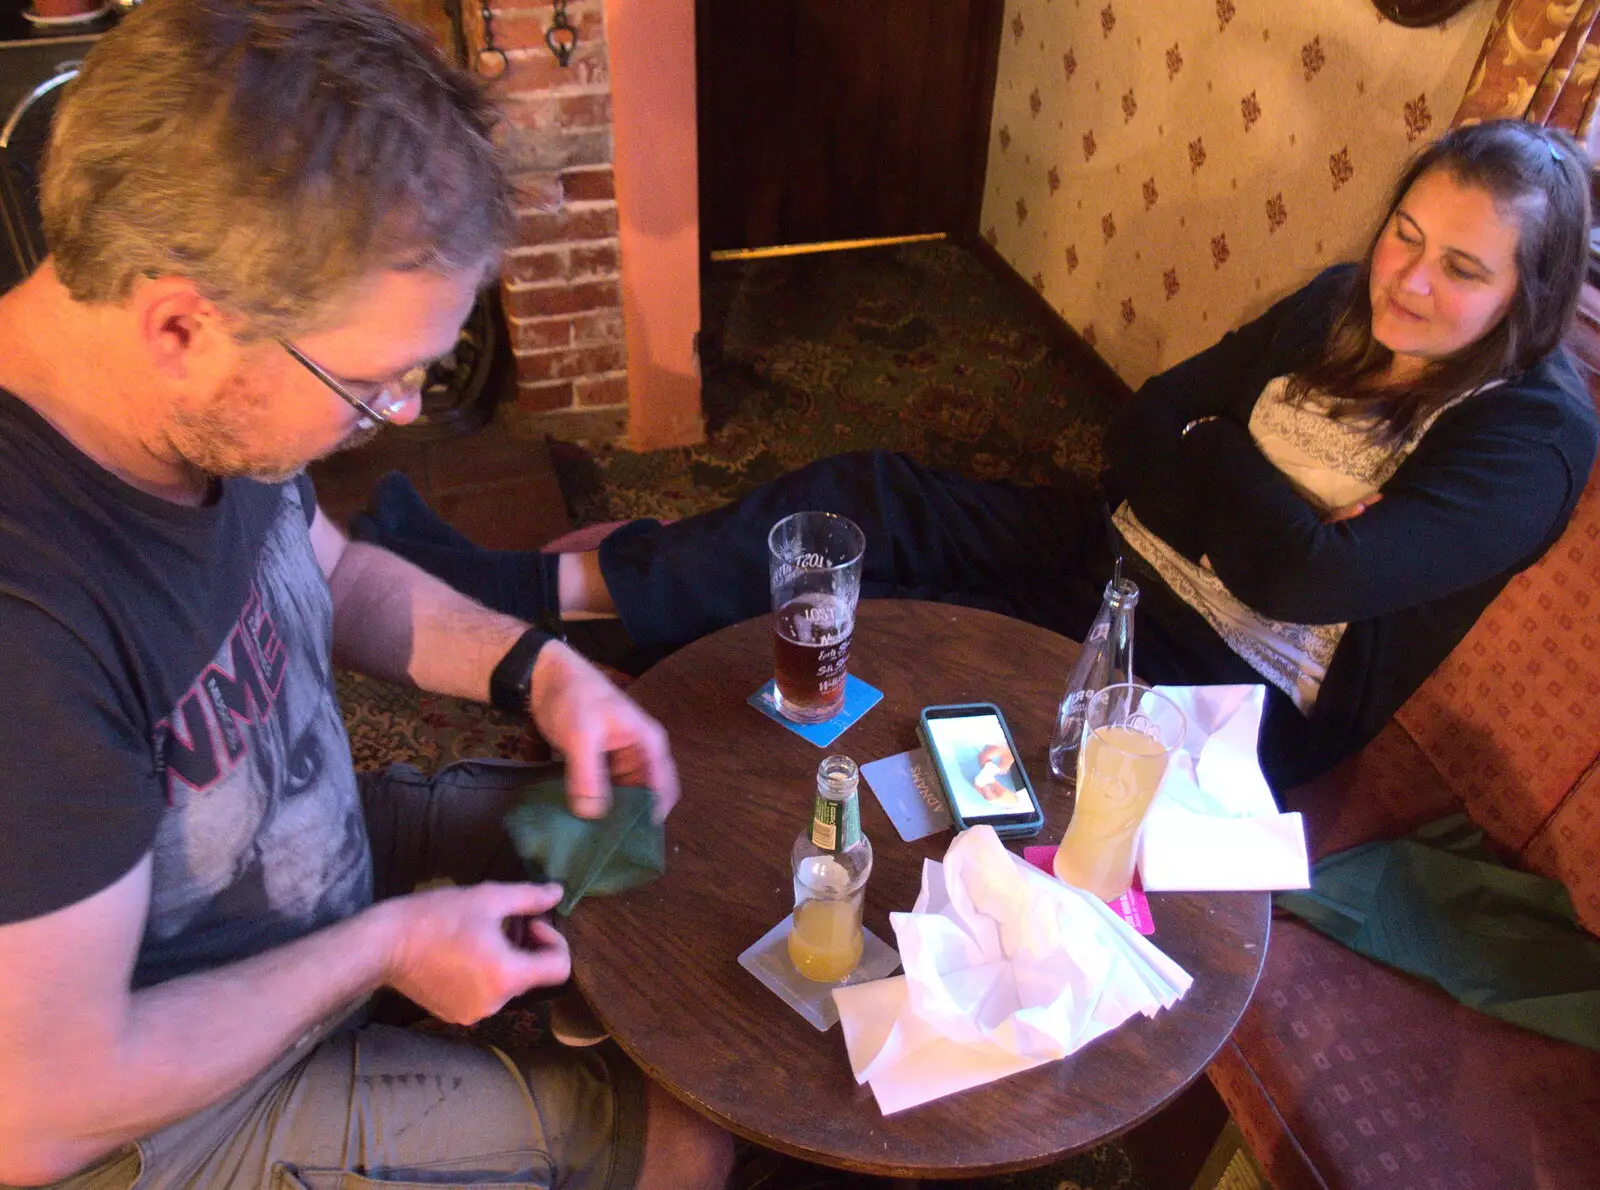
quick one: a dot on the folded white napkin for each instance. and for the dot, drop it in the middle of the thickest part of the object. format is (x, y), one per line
(1213, 825)
(1005, 969)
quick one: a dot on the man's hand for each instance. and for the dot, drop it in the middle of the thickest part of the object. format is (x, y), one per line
(394, 621)
(601, 731)
(88, 1064)
(453, 956)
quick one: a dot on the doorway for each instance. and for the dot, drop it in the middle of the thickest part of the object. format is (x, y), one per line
(824, 120)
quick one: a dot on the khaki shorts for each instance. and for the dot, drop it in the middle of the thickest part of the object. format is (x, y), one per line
(355, 1105)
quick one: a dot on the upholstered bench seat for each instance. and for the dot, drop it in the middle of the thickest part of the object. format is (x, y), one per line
(1346, 1074)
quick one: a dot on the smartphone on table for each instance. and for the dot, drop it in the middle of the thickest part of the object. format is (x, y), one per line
(980, 769)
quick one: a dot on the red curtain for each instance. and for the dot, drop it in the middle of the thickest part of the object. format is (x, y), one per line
(1540, 62)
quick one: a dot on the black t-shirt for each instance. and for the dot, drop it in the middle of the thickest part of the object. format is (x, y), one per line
(166, 687)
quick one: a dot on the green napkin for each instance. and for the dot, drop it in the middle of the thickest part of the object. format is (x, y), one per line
(588, 856)
(1438, 904)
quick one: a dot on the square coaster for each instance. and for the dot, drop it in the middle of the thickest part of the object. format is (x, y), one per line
(768, 961)
(908, 790)
(859, 698)
(1132, 906)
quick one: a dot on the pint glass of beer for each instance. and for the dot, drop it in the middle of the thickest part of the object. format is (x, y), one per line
(815, 563)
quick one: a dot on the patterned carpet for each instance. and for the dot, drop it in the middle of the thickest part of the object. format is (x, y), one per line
(915, 349)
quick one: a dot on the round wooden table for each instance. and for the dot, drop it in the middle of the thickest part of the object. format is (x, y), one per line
(660, 964)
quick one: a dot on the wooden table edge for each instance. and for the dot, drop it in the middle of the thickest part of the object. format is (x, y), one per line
(889, 1170)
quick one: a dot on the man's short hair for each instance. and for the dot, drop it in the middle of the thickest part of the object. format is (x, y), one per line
(274, 152)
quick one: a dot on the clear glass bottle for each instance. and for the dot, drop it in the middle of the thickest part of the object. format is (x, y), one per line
(831, 862)
(1106, 657)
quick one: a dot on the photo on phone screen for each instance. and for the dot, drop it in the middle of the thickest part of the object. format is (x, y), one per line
(979, 769)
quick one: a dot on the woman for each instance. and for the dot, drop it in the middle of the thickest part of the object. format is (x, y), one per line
(1324, 501)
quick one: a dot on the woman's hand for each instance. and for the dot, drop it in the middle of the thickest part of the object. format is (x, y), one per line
(1352, 510)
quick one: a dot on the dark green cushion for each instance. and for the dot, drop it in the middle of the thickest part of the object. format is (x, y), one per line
(1439, 904)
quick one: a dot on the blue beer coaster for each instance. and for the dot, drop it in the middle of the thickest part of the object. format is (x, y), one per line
(768, 961)
(859, 698)
(908, 790)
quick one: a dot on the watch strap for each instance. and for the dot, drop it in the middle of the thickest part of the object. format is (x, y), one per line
(511, 683)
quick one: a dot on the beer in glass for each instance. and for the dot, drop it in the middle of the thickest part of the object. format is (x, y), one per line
(815, 567)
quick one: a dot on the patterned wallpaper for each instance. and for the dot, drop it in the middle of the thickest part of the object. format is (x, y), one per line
(1162, 170)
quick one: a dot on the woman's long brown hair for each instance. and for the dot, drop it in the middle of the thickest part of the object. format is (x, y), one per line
(1542, 176)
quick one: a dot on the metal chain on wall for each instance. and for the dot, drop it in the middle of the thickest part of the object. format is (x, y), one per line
(561, 37)
(491, 60)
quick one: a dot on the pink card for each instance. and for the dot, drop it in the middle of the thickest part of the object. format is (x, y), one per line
(1131, 906)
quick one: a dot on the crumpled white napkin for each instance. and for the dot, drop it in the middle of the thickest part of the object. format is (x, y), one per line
(1214, 825)
(1005, 969)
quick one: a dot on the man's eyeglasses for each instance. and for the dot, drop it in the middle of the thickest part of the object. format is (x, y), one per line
(391, 397)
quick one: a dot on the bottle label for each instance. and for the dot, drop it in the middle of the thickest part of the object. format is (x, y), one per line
(850, 826)
(825, 824)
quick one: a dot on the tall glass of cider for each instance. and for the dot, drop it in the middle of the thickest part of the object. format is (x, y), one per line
(1130, 733)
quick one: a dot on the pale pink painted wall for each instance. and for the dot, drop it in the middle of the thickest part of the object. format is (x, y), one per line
(651, 46)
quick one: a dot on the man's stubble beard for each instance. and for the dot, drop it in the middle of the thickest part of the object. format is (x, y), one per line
(229, 439)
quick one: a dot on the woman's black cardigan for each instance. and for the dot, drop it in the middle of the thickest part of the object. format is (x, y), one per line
(1487, 490)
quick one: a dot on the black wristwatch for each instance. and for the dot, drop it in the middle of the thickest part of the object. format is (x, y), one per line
(511, 683)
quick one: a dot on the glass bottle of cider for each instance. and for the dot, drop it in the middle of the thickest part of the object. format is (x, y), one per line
(831, 861)
(1105, 658)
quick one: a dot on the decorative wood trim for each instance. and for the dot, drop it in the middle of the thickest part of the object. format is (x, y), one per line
(1061, 335)
(722, 254)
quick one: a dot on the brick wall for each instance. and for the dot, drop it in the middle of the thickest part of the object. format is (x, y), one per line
(562, 279)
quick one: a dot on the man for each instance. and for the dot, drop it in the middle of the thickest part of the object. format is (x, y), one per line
(263, 218)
